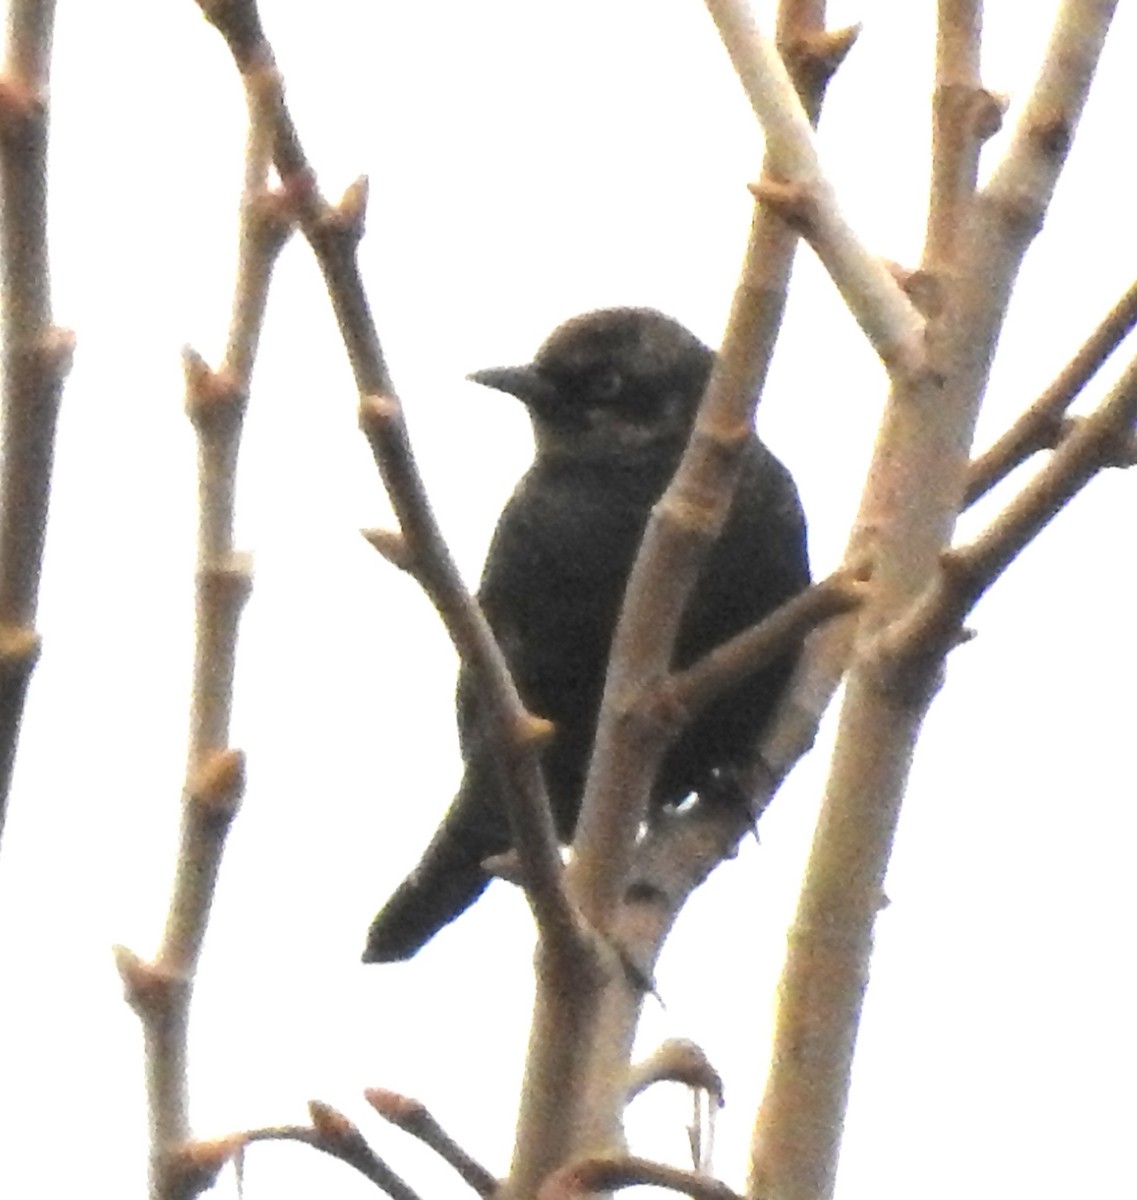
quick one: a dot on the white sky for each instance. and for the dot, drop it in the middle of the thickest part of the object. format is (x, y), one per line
(527, 162)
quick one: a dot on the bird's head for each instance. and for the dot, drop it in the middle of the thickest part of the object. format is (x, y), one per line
(612, 383)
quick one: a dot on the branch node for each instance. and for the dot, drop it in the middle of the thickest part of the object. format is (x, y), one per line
(227, 584)
(350, 214)
(1053, 133)
(21, 109)
(214, 399)
(273, 214)
(812, 58)
(924, 288)
(506, 867)
(377, 413)
(394, 547)
(792, 202)
(19, 650)
(192, 1167)
(217, 784)
(56, 350)
(987, 112)
(532, 732)
(149, 987)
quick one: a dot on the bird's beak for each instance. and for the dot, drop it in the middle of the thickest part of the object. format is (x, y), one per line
(527, 383)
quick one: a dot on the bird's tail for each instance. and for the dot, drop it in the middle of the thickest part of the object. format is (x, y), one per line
(448, 879)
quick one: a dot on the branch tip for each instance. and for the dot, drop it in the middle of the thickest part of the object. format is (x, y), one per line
(333, 1126)
(677, 1060)
(394, 1106)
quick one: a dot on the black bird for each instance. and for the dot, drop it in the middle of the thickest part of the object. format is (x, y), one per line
(612, 395)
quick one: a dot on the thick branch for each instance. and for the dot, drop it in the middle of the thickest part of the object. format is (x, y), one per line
(413, 1117)
(914, 491)
(573, 1094)
(36, 359)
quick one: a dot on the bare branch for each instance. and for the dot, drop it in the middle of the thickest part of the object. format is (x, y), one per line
(36, 359)
(795, 187)
(215, 774)
(912, 498)
(1040, 427)
(1009, 210)
(572, 1100)
(194, 1166)
(688, 691)
(963, 117)
(590, 1175)
(968, 571)
(518, 735)
(334, 233)
(413, 1117)
(677, 1060)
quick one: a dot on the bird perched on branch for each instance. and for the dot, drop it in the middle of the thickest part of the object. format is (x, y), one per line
(612, 396)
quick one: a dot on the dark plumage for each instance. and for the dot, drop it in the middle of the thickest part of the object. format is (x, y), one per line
(612, 396)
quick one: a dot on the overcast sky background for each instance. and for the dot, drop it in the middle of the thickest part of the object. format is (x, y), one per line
(529, 161)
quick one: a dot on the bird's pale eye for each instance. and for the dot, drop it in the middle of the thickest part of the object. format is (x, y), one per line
(606, 385)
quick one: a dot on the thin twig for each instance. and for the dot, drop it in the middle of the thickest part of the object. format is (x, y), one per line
(1040, 427)
(36, 359)
(677, 1060)
(215, 774)
(933, 623)
(413, 1117)
(334, 231)
(420, 550)
(586, 1176)
(194, 1166)
(689, 691)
